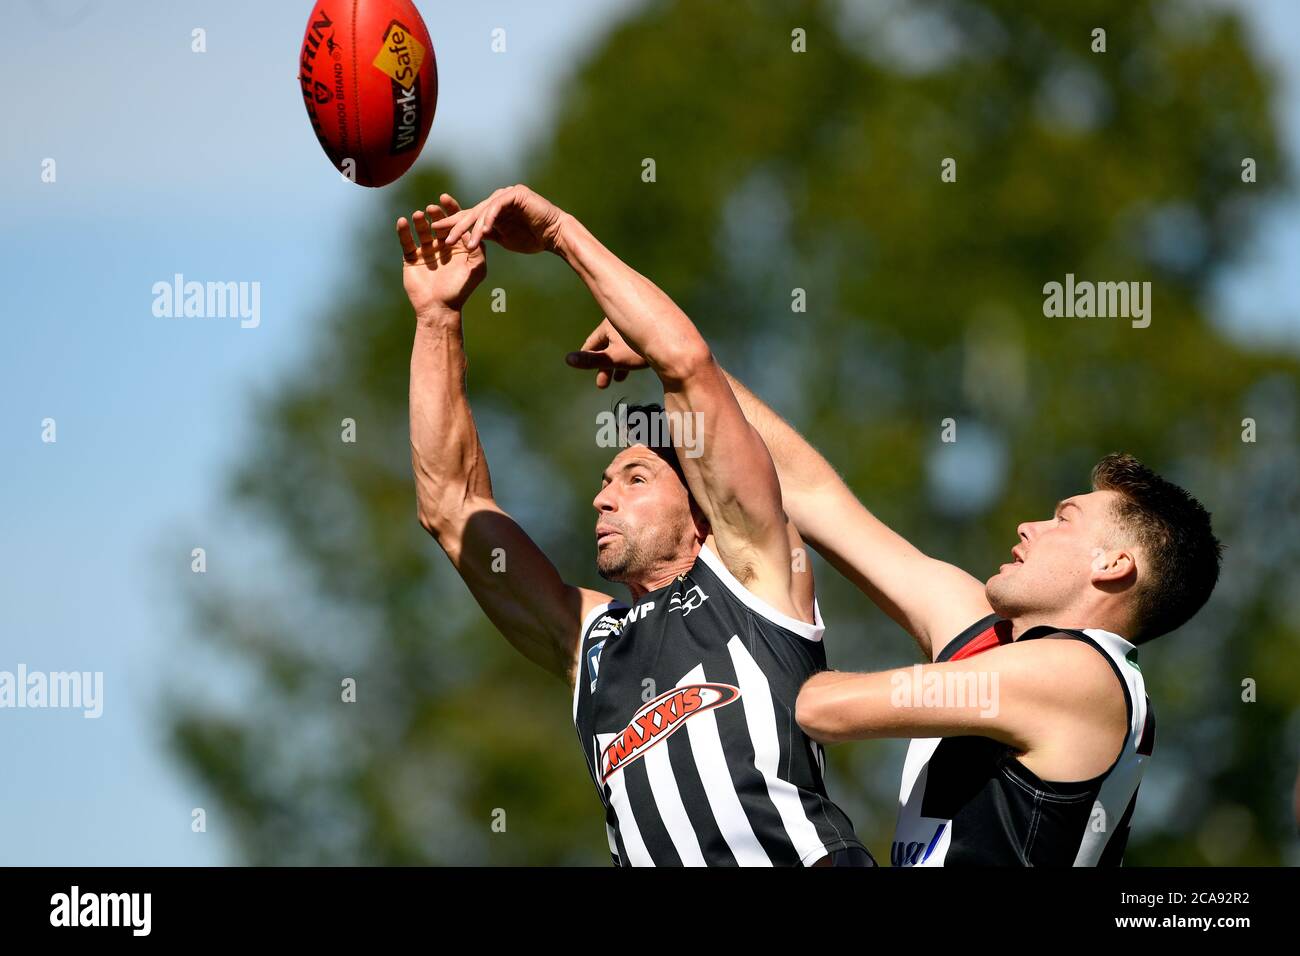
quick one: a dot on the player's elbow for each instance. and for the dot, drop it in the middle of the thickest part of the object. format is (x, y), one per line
(430, 519)
(680, 362)
(436, 521)
(443, 514)
(817, 714)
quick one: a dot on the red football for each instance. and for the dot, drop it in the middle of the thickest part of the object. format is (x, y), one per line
(370, 84)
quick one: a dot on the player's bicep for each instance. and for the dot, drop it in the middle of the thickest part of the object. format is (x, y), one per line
(727, 466)
(520, 590)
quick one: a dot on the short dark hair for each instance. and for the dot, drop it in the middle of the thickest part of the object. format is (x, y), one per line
(664, 449)
(1173, 530)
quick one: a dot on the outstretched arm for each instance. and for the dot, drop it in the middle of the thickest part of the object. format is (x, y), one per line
(1057, 703)
(931, 599)
(512, 580)
(729, 470)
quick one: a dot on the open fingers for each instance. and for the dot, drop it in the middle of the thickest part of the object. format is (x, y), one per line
(406, 239)
(448, 202)
(460, 222)
(488, 220)
(450, 220)
(433, 214)
(486, 214)
(423, 231)
(463, 221)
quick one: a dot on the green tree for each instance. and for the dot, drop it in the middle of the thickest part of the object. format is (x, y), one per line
(778, 171)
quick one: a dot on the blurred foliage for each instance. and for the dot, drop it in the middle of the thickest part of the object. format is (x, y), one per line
(779, 170)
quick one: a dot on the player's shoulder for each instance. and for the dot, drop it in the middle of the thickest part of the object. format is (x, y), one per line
(1060, 666)
(602, 615)
(1067, 643)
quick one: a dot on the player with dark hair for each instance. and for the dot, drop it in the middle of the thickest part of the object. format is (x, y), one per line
(684, 697)
(1031, 725)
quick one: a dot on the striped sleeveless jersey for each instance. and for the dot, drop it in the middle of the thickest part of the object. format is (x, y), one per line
(685, 707)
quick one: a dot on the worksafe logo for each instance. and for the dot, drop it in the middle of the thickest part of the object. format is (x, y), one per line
(400, 56)
(660, 719)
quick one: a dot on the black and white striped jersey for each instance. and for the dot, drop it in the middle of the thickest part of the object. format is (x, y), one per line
(685, 707)
(967, 801)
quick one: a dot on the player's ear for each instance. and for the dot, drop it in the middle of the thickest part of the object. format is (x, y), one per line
(1112, 569)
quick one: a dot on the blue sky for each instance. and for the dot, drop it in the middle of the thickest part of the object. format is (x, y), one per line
(170, 161)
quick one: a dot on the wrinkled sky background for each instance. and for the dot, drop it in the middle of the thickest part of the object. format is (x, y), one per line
(170, 161)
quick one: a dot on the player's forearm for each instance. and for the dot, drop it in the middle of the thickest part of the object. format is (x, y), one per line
(834, 707)
(729, 471)
(647, 319)
(446, 456)
(831, 704)
(829, 517)
(815, 497)
(800, 467)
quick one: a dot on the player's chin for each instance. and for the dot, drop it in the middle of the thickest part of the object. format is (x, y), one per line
(1004, 573)
(998, 587)
(611, 563)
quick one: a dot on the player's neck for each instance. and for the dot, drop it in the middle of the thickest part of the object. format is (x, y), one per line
(1025, 623)
(1073, 619)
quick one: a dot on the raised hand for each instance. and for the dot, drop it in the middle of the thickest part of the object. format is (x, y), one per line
(438, 273)
(516, 218)
(606, 352)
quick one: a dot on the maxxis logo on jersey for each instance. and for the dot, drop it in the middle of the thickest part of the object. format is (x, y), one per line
(400, 57)
(659, 719)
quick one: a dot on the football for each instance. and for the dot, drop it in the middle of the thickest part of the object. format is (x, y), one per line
(370, 83)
